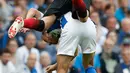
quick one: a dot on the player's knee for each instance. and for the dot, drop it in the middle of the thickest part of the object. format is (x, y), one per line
(64, 61)
(62, 67)
(32, 10)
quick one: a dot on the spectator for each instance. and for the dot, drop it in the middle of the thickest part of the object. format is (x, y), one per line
(97, 6)
(101, 31)
(3, 35)
(97, 63)
(12, 47)
(111, 23)
(51, 49)
(124, 67)
(36, 3)
(109, 10)
(41, 45)
(125, 44)
(114, 2)
(5, 13)
(17, 12)
(23, 5)
(113, 36)
(41, 5)
(125, 30)
(6, 66)
(22, 52)
(108, 58)
(29, 67)
(121, 12)
(45, 61)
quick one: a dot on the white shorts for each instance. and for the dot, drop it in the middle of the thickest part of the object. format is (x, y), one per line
(76, 33)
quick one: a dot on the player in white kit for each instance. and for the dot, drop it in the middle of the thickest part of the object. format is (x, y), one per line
(74, 33)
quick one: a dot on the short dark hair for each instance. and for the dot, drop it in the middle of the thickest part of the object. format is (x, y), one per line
(108, 6)
(4, 51)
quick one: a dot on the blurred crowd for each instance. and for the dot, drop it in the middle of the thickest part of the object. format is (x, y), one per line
(27, 53)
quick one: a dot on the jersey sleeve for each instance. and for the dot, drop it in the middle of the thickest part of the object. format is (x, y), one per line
(59, 7)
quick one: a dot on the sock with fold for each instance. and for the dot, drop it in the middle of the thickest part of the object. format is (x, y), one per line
(80, 7)
(35, 24)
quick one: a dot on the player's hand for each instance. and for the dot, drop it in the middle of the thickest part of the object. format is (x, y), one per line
(24, 30)
(51, 68)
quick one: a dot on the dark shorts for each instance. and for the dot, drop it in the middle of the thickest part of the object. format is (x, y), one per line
(60, 7)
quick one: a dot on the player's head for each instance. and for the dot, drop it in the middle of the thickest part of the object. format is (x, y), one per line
(52, 37)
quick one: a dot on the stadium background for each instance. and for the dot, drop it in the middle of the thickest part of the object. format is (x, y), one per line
(112, 19)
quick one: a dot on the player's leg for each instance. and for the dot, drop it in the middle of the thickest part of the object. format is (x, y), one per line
(31, 23)
(88, 45)
(63, 63)
(67, 48)
(55, 10)
(81, 9)
(65, 55)
(88, 55)
(39, 25)
(53, 67)
(34, 12)
(88, 63)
